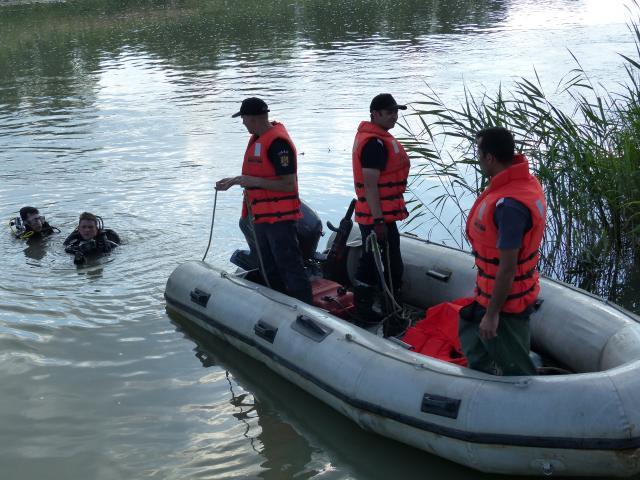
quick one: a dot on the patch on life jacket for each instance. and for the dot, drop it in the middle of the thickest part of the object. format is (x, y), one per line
(481, 210)
(284, 158)
(257, 148)
(479, 225)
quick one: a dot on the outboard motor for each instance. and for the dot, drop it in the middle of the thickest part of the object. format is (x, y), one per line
(327, 294)
(309, 232)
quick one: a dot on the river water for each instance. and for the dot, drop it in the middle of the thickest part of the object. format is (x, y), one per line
(124, 111)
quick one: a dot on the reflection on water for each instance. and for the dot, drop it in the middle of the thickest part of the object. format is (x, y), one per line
(124, 108)
(36, 248)
(280, 422)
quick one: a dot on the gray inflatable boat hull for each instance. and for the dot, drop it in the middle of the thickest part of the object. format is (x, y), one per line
(584, 424)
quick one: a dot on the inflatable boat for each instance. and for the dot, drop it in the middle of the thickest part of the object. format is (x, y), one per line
(582, 423)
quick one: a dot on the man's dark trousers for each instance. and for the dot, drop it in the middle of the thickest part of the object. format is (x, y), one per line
(367, 271)
(508, 351)
(282, 259)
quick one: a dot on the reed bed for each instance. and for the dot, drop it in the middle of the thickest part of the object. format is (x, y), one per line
(587, 159)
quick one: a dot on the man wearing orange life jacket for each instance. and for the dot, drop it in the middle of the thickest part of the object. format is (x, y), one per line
(380, 171)
(271, 193)
(505, 228)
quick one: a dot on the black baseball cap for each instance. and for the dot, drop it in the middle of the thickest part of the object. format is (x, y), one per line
(252, 106)
(384, 101)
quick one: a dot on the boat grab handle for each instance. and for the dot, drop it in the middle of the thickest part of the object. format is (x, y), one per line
(438, 405)
(311, 328)
(266, 331)
(442, 275)
(200, 297)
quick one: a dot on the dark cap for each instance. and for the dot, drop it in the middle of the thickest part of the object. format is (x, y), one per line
(384, 101)
(252, 106)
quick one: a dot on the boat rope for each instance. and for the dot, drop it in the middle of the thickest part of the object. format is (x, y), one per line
(396, 309)
(521, 382)
(213, 219)
(255, 239)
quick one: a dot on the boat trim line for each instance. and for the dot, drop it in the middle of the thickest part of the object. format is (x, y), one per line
(573, 443)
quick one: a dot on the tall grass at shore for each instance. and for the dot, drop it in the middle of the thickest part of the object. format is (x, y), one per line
(587, 159)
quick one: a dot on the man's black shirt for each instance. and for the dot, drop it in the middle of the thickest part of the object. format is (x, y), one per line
(513, 220)
(282, 157)
(374, 155)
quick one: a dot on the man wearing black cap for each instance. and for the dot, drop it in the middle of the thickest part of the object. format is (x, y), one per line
(271, 199)
(380, 171)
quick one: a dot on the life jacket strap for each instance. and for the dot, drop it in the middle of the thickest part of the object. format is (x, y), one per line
(513, 296)
(276, 214)
(274, 199)
(518, 278)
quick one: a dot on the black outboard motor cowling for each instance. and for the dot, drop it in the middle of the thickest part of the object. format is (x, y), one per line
(309, 231)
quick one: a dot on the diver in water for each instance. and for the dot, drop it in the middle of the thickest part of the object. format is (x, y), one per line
(90, 238)
(30, 224)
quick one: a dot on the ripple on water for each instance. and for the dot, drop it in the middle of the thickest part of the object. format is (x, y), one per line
(96, 381)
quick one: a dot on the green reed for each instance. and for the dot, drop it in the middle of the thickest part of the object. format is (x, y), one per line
(587, 159)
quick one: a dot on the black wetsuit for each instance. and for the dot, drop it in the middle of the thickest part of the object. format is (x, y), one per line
(45, 232)
(105, 241)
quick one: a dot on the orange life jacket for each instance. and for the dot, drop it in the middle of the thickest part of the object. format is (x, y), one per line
(268, 206)
(518, 184)
(436, 335)
(393, 179)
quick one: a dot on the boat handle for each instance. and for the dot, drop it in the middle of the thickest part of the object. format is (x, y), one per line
(200, 297)
(310, 324)
(438, 405)
(443, 275)
(266, 331)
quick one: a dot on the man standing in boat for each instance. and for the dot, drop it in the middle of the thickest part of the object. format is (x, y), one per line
(380, 172)
(505, 228)
(269, 177)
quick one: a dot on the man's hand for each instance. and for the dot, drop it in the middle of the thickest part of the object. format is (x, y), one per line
(489, 326)
(244, 181)
(247, 181)
(226, 183)
(381, 231)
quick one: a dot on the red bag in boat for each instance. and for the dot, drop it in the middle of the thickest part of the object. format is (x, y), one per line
(436, 335)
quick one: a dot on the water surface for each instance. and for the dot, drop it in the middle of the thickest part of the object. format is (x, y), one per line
(125, 112)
